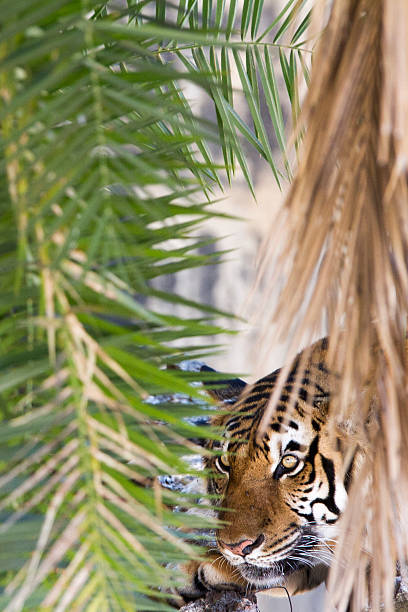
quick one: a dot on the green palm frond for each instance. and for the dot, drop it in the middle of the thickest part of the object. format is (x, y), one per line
(106, 176)
(96, 143)
(215, 39)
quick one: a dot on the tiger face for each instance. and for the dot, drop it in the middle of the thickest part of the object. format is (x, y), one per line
(281, 494)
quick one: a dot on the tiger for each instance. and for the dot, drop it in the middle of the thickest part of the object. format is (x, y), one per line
(280, 495)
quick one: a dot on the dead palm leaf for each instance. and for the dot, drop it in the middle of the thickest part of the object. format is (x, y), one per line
(345, 257)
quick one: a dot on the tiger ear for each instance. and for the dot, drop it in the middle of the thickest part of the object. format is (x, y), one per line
(226, 391)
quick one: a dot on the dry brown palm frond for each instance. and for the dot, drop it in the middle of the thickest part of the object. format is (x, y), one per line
(345, 260)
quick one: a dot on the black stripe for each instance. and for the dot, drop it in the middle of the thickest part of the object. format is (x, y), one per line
(257, 396)
(285, 537)
(292, 445)
(349, 473)
(315, 425)
(282, 548)
(311, 458)
(299, 410)
(329, 502)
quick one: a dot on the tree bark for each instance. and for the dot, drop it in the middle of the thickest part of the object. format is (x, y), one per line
(401, 599)
(223, 601)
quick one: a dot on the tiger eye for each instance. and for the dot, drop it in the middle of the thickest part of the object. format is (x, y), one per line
(289, 462)
(222, 465)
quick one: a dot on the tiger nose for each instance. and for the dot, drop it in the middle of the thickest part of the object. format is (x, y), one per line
(245, 547)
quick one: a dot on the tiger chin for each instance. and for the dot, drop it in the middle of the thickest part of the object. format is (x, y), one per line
(280, 493)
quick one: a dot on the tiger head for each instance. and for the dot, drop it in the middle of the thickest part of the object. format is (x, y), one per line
(281, 493)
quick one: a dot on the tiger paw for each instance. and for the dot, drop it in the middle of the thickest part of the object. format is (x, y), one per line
(214, 573)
